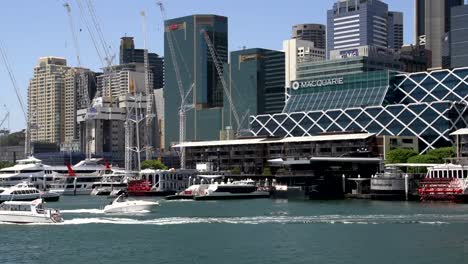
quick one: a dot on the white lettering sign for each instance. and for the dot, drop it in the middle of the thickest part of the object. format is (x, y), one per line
(317, 83)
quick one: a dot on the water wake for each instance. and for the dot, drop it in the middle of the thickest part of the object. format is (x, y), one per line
(322, 219)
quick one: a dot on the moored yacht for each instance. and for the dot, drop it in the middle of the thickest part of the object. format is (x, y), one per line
(30, 169)
(26, 191)
(80, 179)
(28, 212)
(116, 181)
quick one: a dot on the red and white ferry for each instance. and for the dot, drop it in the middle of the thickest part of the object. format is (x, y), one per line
(160, 182)
(445, 182)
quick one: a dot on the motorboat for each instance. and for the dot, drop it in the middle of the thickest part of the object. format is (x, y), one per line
(26, 191)
(187, 194)
(122, 205)
(28, 212)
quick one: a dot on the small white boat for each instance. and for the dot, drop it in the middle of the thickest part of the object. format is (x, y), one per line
(122, 205)
(25, 191)
(28, 212)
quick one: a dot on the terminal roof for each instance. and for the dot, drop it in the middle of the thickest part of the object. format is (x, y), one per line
(251, 141)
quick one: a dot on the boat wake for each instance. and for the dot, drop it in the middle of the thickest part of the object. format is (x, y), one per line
(83, 211)
(323, 219)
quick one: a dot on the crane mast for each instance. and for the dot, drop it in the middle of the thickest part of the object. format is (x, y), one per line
(184, 107)
(149, 93)
(223, 81)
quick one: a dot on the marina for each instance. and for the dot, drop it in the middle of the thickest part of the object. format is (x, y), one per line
(281, 229)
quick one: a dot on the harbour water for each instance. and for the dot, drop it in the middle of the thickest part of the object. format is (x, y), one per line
(255, 231)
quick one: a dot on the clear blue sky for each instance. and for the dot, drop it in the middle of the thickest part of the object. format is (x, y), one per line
(31, 29)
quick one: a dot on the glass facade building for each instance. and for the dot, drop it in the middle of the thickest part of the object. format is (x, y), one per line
(199, 76)
(428, 105)
(459, 36)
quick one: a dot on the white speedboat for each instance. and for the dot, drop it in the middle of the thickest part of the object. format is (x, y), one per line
(122, 205)
(26, 191)
(28, 212)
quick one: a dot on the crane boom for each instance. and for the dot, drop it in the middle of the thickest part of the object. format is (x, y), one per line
(223, 81)
(72, 28)
(6, 62)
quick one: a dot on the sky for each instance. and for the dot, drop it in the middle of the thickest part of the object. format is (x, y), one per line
(31, 29)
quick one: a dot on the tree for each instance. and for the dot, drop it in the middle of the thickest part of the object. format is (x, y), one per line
(153, 164)
(443, 153)
(266, 171)
(236, 171)
(5, 164)
(400, 155)
(427, 158)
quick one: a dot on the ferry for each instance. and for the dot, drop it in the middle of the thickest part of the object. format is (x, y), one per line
(26, 191)
(445, 182)
(389, 184)
(159, 182)
(243, 189)
(80, 179)
(28, 212)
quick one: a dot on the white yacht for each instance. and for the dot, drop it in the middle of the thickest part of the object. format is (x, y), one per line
(114, 182)
(28, 212)
(30, 169)
(79, 179)
(122, 205)
(26, 191)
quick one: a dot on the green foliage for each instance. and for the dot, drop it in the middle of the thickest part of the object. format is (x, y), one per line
(153, 164)
(427, 158)
(4, 164)
(443, 153)
(13, 139)
(236, 171)
(400, 155)
(266, 171)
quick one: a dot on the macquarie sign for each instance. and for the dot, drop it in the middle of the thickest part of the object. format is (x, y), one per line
(296, 85)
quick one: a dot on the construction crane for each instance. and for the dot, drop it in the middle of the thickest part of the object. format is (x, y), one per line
(219, 70)
(5, 130)
(6, 62)
(148, 89)
(72, 27)
(184, 106)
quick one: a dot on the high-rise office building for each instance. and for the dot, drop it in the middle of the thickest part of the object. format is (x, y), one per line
(128, 54)
(432, 22)
(459, 36)
(395, 30)
(298, 51)
(311, 32)
(256, 84)
(353, 23)
(198, 74)
(46, 93)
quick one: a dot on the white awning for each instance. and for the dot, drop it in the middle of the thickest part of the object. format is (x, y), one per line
(463, 131)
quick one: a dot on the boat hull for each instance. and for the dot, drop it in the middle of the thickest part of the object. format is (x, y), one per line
(129, 207)
(150, 193)
(221, 196)
(49, 197)
(179, 197)
(25, 219)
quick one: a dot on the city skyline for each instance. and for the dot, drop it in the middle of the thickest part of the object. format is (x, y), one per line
(50, 35)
